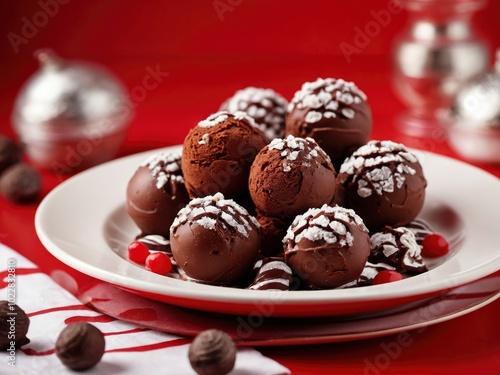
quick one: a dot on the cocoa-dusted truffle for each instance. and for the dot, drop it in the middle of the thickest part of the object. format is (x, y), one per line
(214, 240)
(156, 192)
(10, 153)
(80, 346)
(291, 175)
(14, 325)
(398, 248)
(333, 112)
(327, 247)
(265, 106)
(20, 183)
(217, 155)
(271, 274)
(212, 352)
(384, 183)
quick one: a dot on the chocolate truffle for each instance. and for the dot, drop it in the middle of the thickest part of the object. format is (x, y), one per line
(215, 241)
(217, 155)
(20, 183)
(265, 106)
(156, 192)
(13, 319)
(291, 175)
(420, 229)
(271, 274)
(80, 346)
(10, 153)
(272, 230)
(327, 247)
(155, 242)
(398, 248)
(384, 183)
(212, 352)
(368, 274)
(333, 112)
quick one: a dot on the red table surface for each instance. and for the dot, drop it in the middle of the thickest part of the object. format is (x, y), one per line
(196, 84)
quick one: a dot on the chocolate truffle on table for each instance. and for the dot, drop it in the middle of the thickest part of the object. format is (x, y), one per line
(290, 176)
(333, 112)
(10, 153)
(398, 248)
(384, 183)
(13, 335)
(80, 346)
(156, 192)
(265, 106)
(327, 247)
(217, 155)
(215, 241)
(20, 183)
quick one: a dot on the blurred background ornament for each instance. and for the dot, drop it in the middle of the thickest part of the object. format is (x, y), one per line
(436, 53)
(474, 118)
(71, 115)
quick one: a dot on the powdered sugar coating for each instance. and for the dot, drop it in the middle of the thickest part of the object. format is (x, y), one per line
(220, 117)
(297, 150)
(397, 245)
(326, 224)
(266, 106)
(211, 211)
(379, 167)
(327, 98)
(164, 167)
(214, 119)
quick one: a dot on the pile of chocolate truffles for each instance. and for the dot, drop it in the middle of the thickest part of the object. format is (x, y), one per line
(270, 195)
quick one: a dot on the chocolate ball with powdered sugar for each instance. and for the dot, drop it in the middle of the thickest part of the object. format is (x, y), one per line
(215, 241)
(327, 247)
(290, 176)
(217, 155)
(265, 106)
(333, 112)
(397, 247)
(156, 192)
(384, 183)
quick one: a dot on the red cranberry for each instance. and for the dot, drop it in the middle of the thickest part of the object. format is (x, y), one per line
(387, 276)
(434, 245)
(138, 252)
(158, 263)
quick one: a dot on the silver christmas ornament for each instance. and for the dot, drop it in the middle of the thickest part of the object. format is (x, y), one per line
(436, 53)
(71, 115)
(474, 119)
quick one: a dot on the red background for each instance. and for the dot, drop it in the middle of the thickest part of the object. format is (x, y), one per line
(278, 44)
(208, 54)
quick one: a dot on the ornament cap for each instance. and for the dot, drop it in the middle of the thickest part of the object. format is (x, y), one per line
(48, 59)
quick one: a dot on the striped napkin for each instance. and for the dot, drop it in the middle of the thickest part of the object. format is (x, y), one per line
(130, 349)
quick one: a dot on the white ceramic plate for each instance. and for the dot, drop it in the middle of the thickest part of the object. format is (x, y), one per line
(294, 331)
(83, 223)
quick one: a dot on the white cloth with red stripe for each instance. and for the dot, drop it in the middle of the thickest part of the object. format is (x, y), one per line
(130, 349)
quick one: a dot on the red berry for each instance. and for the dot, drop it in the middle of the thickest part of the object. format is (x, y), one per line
(434, 245)
(387, 276)
(138, 252)
(158, 263)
